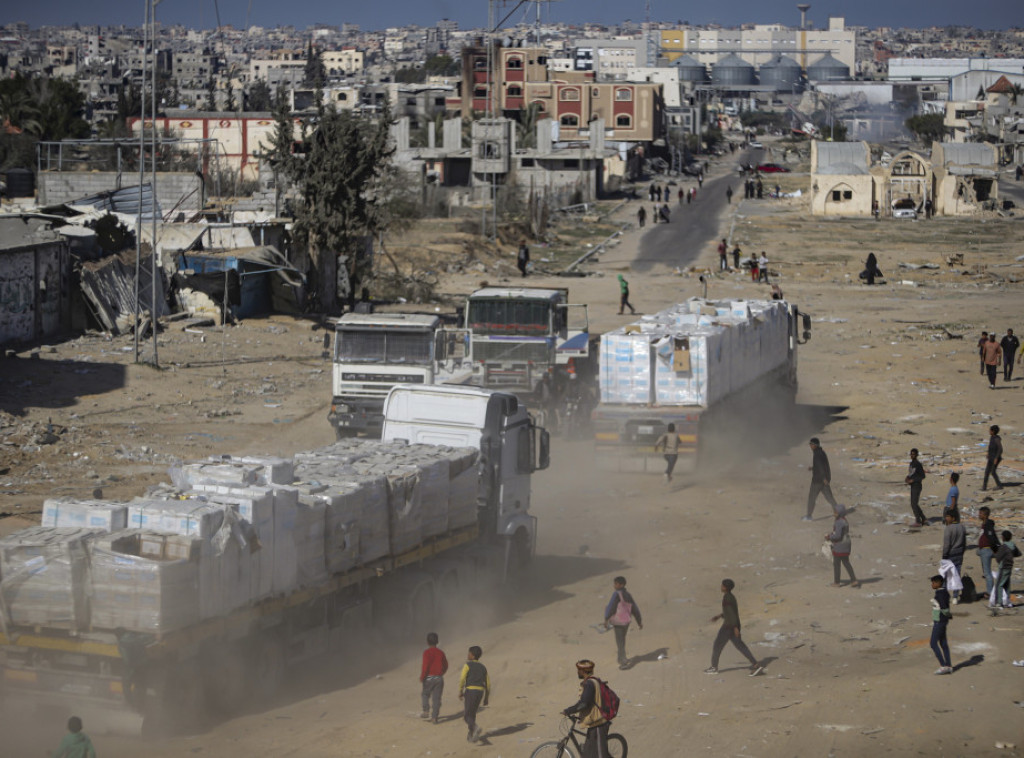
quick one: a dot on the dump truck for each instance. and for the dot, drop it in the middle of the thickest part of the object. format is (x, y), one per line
(375, 351)
(520, 335)
(199, 596)
(691, 365)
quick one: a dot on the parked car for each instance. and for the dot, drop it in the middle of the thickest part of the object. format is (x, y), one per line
(772, 168)
(904, 208)
(754, 144)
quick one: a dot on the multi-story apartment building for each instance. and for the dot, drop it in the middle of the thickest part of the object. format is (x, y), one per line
(348, 60)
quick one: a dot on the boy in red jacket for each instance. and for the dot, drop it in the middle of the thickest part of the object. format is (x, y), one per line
(435, 666)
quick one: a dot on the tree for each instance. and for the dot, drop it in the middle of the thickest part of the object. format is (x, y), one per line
(441, 65)
(526, 129)
(410, 76)
(211, 94)
(279, 153)
(259, 97)
(230, 104)
(341, 202)
(315, 73)
(61, 110)
(927, 127)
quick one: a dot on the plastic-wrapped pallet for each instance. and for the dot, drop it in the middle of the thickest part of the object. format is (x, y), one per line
(85, 514)
(45, 576)
(256, 506)
(189, 517)
(342, 506)
(310, 541)
(158, 594)
(462, 498)
(240, 471)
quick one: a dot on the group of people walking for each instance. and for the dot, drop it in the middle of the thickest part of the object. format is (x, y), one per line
(949, 583)
(994, 354)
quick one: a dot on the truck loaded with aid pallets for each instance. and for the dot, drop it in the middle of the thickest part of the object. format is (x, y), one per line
(692, 365)
(200, 595)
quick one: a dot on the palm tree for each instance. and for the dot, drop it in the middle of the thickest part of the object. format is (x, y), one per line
(18, 111)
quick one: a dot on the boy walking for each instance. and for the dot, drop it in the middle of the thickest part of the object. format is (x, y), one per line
(953, 496)
(435, 666)
(915, 478)
(1004, 560)
(618, 613)
(988, 543)
(842, 546)
(76, 744)
(730, 631)
(669, 442)
(940, 620)
(474, 689)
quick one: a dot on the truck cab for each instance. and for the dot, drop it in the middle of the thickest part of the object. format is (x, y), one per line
(375, 351)
(521, 334)
(511, 448)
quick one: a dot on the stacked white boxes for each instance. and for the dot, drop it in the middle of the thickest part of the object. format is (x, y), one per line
(44, 577)
(191, 517)
(85, 514)
(140, 585)
(728, 345)
(230, 470)
(343, 505)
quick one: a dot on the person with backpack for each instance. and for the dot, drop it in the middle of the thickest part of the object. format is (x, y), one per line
(618, 614)
(940, 620)
(915, 478)
(597, 706)
(730, 631)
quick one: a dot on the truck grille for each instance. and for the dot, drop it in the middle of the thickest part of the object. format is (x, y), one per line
(506, 351)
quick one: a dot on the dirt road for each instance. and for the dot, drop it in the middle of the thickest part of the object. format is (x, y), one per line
(848, 671)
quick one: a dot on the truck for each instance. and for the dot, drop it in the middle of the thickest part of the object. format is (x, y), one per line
(123, 634)
(519, 335)
(691, 365)
(375, 351)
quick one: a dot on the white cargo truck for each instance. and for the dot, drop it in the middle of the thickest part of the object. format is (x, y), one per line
(690, 365)
(375, 351)
(199, 596)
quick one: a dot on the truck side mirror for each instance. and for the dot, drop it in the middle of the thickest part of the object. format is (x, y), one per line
(544, 452)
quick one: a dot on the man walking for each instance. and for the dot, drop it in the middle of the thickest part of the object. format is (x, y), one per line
(992, 354)
(981, 351)
(728, 195)
(821, 477)
(624, 295)
(641, 216)
(523, 258)
(730, 631)
(435, 666)
(954, 544)
(589, 708)
(621, 609)
(988, 543)
(915, 478)
(723, 256)
(736, 257)
(994, 458)
(1010, 344)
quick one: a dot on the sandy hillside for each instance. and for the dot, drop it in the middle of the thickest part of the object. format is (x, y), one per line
(848, 671)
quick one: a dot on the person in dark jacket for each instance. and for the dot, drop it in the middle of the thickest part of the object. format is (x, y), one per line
(871, 268)
(940, 620)
(915, 478)
(988, 543)
(618, 614)
(523, 258)
(474, 690)
(589, 708)
(981, 351)
(1004, 559)
(821, 478)
(842, 546)
(1010, 344)
(994, 458)
(954, 544)
(730, 631)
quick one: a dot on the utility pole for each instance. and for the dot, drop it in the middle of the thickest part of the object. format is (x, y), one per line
(142, 173)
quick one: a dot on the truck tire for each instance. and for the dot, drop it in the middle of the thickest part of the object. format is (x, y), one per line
(267, 666)
(227, 681)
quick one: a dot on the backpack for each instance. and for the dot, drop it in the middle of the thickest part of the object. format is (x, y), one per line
(623, 612)
(609, 706)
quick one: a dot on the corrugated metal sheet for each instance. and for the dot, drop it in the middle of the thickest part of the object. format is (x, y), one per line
(126, 201)
(967, 154)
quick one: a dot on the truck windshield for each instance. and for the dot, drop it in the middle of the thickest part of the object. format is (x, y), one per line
(512, 317)
(359, 346)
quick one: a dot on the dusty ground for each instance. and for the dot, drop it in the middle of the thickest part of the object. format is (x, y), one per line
(849, 671)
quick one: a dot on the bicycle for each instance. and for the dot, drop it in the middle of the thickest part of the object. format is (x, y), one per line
(617, 747)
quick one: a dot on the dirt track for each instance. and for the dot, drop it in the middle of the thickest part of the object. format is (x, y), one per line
(849, 671)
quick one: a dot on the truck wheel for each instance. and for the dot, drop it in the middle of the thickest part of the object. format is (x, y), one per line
(179, 704)
(268, 667)
(227, 685)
